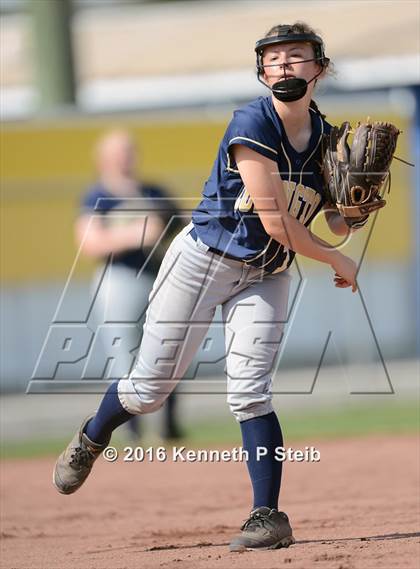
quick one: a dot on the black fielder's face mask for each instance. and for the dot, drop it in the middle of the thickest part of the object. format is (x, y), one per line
(289, 89)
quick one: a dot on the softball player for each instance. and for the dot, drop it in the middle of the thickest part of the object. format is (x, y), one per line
(119, 293)
(263, 192)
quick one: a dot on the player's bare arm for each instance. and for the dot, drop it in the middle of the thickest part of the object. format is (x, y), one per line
(335, 221)
(263, 182)
(98, 240)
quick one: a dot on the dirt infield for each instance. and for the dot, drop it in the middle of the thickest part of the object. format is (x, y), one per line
(356, 508)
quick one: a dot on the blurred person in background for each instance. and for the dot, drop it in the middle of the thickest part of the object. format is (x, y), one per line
(122, 243)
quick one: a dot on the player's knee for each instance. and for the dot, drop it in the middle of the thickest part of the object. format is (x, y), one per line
(245, 408)
(137, 400)
(150, 406)
(139, 406)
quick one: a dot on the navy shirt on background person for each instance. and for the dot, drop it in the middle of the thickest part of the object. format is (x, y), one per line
(100, 200)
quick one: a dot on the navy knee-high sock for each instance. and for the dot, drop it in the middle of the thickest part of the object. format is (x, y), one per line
(110, 415)
(265, 473)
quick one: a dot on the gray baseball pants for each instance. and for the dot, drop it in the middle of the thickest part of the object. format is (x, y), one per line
(121, 297)
(191, 283)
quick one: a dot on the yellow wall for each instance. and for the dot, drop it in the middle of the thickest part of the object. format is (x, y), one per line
(45, 167)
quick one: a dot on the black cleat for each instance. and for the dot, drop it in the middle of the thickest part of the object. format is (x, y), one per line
(265, 528)
(75, 463)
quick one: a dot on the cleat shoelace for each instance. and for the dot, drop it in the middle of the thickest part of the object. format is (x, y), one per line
(81, 457)
(255, 521)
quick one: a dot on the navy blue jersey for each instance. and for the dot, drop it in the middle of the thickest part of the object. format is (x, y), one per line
(225, 219)
(99, 200)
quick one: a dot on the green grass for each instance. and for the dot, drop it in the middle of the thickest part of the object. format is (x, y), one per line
(348, 421)
(330, 423)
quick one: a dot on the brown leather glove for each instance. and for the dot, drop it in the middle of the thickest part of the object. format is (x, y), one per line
(354, 176)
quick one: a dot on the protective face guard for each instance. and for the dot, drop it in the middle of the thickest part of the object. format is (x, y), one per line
(288, 90)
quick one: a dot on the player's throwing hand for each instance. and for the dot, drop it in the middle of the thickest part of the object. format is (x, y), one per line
(345, 272)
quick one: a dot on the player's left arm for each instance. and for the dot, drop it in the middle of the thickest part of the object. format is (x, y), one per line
(336, 221)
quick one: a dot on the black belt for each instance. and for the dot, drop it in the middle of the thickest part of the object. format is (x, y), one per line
(194, 235)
